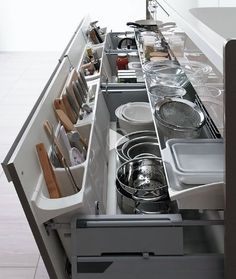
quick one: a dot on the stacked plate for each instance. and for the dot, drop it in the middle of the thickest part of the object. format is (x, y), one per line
(135, 116)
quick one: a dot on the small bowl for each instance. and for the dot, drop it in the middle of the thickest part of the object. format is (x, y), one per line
(208, 91)
(172, 76)
(144, 149)
(197, 72)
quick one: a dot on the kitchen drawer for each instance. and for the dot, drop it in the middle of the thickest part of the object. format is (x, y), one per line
(147, 266)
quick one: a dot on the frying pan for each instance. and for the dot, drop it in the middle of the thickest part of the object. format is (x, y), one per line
(145, 23)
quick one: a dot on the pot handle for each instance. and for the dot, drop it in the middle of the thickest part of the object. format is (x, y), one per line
(134, 24)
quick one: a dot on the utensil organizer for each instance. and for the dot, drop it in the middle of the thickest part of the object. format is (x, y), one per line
(86, 230)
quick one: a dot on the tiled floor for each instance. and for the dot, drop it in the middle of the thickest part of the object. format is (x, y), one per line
(22, 78)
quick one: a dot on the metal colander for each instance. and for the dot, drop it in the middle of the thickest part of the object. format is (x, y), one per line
(179, 113)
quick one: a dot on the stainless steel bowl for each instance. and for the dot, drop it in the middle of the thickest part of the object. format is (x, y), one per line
(144, 149)
(129, 137)
(143, 179)
(179, 118)
(132, 142)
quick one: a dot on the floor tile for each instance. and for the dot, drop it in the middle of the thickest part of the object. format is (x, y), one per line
(22, 78)
(41, 272)
(17, 273)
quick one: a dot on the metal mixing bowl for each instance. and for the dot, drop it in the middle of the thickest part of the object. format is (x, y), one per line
(132, 142)
(144, 149)
(143, 135)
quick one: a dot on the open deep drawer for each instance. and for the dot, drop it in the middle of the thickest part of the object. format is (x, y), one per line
(84, 233)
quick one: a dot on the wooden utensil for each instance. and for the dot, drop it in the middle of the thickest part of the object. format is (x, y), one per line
(69, 111)
(48, 172)
(65, 120)
(49, 130)
(69, 125)
(58, 104)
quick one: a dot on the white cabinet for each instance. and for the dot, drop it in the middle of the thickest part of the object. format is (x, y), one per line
(79, 229)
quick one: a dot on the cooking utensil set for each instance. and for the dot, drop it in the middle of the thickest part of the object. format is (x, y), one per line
(69, 108)
(73, 100)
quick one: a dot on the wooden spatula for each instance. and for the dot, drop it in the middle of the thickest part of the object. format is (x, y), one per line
(48, 172)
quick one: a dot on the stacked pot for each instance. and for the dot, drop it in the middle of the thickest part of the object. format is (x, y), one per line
(140, 180)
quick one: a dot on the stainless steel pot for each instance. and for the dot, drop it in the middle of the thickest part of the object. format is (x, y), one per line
(129, 206)
(143, 179)
(159, 207)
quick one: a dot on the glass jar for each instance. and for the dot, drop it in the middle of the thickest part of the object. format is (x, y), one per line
(122, 61)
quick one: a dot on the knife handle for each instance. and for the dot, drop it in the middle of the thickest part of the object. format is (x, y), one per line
(82, 77)
(48, 172)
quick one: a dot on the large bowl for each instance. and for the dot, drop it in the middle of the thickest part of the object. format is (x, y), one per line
(144, 149)
(164, 72)
(179, 118)
(143, 179)
(128, 126)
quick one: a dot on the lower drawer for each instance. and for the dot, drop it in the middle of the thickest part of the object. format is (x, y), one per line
(153, 267)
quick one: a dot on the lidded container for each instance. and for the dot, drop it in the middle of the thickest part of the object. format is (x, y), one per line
(122, 61)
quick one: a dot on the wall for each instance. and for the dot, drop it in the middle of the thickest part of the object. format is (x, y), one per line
(227, 3)
(47, 25)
